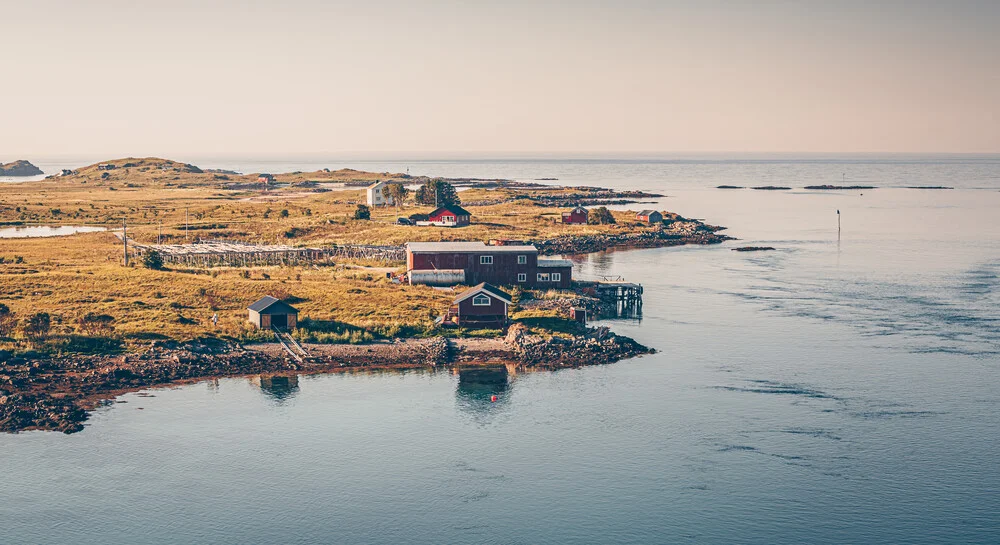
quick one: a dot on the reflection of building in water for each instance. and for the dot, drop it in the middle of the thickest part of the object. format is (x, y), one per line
(279, 388)
(477, 386)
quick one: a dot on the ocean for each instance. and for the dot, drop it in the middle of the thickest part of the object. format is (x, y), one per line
(839, 389)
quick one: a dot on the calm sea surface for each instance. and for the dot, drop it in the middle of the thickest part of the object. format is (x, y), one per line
(832, 391)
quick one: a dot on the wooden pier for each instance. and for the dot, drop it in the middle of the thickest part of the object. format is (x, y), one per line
(627, 297)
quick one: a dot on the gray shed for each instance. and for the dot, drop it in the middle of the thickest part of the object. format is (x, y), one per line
(269, 312)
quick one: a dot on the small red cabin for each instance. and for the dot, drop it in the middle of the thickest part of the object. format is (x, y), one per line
(265, 178)
(450, 216)
(577, 216)
(484, 305)
(649, 216)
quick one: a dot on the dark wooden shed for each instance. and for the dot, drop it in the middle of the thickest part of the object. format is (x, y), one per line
(484, 305)
(269, 312)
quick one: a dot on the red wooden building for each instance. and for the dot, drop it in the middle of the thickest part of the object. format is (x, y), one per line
(577, 215)
(451, 215)
(484, 305)
(649, 216)
(469, 263)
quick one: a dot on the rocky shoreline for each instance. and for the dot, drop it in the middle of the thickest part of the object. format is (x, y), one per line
(678, 234)
(56, 393)
(20, 168)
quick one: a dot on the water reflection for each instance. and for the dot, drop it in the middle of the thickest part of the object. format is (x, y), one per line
(277, 387)
(482, 391)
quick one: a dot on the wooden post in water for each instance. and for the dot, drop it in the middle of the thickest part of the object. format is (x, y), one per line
(838, 224)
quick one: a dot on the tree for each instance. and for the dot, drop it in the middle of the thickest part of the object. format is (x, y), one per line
(39, 324)
(363, 212)
(396, 193)
(437, 193)
(152, 260)
(8, 321)
(600, 216)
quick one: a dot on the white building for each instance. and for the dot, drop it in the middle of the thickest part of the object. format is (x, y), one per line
(375, 195)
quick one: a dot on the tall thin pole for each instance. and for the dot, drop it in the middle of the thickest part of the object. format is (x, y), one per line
(125, 241)
(159, 233)
(185, 225)
(838, 224)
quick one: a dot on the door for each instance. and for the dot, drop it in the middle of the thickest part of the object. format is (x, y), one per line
(279, 321)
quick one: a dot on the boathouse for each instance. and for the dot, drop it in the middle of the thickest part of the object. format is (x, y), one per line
(269, 312)
(265, 178)
(576, 216)
(451, 215)
(649, 216)
(484, 305)
(453, 263)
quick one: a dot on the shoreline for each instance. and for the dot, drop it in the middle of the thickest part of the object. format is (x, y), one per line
(59, 393)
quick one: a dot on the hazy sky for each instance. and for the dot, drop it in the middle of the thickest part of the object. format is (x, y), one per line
(135, 77)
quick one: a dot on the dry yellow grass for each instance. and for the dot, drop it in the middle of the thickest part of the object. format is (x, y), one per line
(69, 277)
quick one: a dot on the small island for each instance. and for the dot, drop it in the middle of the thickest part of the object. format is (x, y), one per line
(20, 168)
(828, 187)
(79, 325)
(771, 188)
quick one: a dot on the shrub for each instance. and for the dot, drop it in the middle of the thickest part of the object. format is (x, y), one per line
(363, 212)
(38, 324)
(601, 216)
(283, 213)
(152, 260)
(8, 321)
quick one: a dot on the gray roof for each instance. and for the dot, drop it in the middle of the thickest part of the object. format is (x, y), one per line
(647, 212)
(488, 289)
(555, 263)
(465, 247)
(272, 306)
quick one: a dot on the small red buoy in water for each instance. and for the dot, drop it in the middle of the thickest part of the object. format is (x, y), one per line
(493, 399)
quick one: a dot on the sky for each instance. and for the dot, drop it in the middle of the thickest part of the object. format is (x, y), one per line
(202, 77)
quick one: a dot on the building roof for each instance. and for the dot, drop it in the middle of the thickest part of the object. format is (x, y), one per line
(488, 289)
(272, 306)
(465, 248)
(577, 209)
(647, 212)
(453, 208)
(376, 184)
(555, 263)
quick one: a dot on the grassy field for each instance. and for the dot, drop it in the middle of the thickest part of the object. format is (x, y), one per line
(72, 277)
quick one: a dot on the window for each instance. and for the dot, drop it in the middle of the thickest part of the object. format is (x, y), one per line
(485, 260)
(522, 259)
(521, 277)
(556, 277)
(481, 301)
(543, 277)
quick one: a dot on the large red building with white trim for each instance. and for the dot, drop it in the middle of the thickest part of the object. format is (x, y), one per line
(470, 263)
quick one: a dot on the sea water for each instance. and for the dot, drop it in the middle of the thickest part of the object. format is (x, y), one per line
(839, 389)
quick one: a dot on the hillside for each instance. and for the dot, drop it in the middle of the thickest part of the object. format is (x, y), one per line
(20, 168)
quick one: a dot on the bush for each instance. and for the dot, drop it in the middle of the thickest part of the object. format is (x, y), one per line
(8, 321)
(283, 213)
(363, 212)
(600, 216)
(152, 260)
(38, 324)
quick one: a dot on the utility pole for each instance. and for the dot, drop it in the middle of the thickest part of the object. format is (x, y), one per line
(185, 226)
(159, 232)
(125, 241)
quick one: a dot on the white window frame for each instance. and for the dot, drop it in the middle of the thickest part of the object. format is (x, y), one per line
(556, 277)
(542, 277)
(480, 297)
(522, 277)
(485, 260)
(522, 260)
